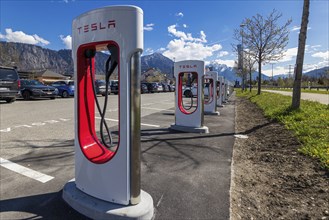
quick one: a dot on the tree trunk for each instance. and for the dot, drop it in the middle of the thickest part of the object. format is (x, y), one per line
(259, 76)
(250, 80)
(300, 57)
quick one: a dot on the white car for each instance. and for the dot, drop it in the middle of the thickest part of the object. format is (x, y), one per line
(187, 91)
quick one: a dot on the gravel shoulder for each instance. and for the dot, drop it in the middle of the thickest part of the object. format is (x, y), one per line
(270, 178)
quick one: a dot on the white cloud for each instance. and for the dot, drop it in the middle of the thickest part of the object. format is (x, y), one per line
(149, 27)
(185, 25)
(185, 46)
(297, 28)
(323, 55)
(186, 36)
(148, 51)
(21, 37)
(229, 63)
(67, 41)
(277, 70)
(161, 49)
(289, 55)
(179, 14)
(315, 46)
(223, 53)
(67, 1)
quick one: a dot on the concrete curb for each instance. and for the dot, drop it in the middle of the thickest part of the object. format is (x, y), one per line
(99, 209)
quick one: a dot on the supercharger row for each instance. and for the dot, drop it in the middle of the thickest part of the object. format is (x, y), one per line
(198, 93)
(107, 181)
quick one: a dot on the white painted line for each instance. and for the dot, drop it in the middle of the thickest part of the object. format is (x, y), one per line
(149, 125)
(158, 109)
(107, 119)
(25, 171)
(148, 104)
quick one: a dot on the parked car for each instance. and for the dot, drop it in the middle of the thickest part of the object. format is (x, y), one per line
(9, 84)
(189, 90)
(165, 87)
(154, 87)
(35, 89)
(65, 88)
(172, 88)
(114, 84)
(144, 88)
(100, 87)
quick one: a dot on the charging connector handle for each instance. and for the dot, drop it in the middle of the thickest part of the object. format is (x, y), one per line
(90, 53)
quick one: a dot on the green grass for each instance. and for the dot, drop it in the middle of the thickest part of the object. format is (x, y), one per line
(310, 123)
(322, 91)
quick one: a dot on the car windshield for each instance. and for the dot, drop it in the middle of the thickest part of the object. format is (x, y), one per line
(32, 82)
(101, 83)
(8, 74)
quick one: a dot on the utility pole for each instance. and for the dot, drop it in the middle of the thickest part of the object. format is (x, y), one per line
(272, 75)
(289, 70)
(242, 66)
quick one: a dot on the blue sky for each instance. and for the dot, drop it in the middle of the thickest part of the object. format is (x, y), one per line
(178, 29)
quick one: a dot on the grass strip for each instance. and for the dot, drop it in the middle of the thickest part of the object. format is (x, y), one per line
(310, 123)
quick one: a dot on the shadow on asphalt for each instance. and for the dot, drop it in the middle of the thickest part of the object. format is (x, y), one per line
(47, 206)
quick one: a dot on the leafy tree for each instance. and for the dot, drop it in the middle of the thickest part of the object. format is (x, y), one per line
(300, 56)
(264, 39)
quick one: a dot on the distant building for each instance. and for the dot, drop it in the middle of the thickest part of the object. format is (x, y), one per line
(48, 76)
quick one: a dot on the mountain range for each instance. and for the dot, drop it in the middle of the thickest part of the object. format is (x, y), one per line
(32, 58)
(27, 57)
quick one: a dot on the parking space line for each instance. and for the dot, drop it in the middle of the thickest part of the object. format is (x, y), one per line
(116, 120)
(25, 171)
(149, 125)
(108, 119)
(158, 109)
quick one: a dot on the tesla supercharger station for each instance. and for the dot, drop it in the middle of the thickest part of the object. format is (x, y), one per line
(225, 90)
(220, 91)
(189, 114)
(210, 103)
(107, 180)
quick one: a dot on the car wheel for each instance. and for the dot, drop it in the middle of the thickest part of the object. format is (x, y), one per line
(26, 95)
(65, 94)
(188, 93)
(10, 100)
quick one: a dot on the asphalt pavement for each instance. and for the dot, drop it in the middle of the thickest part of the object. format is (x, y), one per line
(322, 98)
(188, 175)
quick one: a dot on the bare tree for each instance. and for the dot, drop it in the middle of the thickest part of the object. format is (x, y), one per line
(249, 63)
(264, 39)
(300, 56)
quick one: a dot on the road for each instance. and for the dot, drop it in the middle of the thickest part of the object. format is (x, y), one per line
(322, 98)
(188, 175)
(39, 135)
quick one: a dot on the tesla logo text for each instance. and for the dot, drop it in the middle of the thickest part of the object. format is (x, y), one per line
(187, 66)
(96, 26)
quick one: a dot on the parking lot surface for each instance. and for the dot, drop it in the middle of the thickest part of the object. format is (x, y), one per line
(188, 175)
